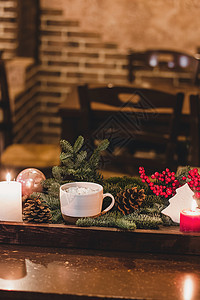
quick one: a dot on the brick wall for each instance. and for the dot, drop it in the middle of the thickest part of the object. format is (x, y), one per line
(8, 27)
(137, 24)
(67, 56)
(21, 73)
(24, 89)
(27, 108)
(78, 45)
(70, 56)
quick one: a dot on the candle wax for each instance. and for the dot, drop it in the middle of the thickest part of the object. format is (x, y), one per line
(190, 220)
(10, 201)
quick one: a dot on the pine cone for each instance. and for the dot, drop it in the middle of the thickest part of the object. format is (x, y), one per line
(127, 201)
(36, 212)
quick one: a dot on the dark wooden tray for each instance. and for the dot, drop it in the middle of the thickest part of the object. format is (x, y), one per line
(165, 240)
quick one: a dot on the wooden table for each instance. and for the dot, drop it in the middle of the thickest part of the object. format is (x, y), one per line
(97, 263)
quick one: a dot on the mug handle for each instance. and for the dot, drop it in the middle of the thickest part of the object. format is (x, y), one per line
(111, 204)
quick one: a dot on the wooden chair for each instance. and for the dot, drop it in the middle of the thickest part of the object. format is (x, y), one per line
(197, 73)
(140, 120)
(16, 157)
(163, 64)
(194, 130)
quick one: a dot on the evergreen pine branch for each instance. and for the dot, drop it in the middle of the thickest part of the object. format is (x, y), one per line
(43, 196)
(114, 189)
(54, 190)
(143, 221)
(78, 144)
(57, 173)
(48, 182)
(52, 202)
(167, 221)
(94, 159)
(66, 164)
(76, 165)
(114, 180)
(66, 146)
(111, 219)
(125, 181)
(80, 158)
(183, 172)
(155, 210)
(72, 171)
(65, 156)
(125, 224)
(150, 200)
(103, 145)
(56, 216)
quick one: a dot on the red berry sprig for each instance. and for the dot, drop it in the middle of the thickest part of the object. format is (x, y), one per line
(168, 181)
(194, 180)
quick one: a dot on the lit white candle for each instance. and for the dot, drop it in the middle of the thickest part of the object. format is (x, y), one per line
(10, 200)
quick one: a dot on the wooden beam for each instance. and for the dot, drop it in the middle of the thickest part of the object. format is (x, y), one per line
(166, 240)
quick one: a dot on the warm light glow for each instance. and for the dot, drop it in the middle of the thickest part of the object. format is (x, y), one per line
(193, 205)
(183, 61)
(8, 177)
(9, 285)
(153, 61)
(188, 288)
(191, 212)
(171, 64)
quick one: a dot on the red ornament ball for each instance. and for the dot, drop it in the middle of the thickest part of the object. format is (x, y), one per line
(31, 181)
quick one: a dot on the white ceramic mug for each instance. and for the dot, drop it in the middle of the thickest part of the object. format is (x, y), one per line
(83, 205)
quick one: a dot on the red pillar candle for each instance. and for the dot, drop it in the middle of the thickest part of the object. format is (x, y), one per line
(190, 220)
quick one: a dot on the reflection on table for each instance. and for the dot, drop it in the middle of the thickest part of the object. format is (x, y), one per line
(98, 274)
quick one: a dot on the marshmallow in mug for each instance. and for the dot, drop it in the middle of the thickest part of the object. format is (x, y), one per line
(80, 190)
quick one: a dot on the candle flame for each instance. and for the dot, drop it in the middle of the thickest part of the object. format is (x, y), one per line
(8, 177)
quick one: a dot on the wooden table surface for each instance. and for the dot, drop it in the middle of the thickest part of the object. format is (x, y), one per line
(51, 273)
(72, 101)
(97, 263)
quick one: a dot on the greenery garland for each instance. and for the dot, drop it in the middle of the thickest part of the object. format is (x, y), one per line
(77, 165)
(130, 222)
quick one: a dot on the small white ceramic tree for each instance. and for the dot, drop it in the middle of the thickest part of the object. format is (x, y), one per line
(183, 199)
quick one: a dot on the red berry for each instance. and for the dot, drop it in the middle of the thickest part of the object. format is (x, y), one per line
(197, 195)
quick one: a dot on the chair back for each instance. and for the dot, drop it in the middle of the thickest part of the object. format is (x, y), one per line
(130, 112)
(5, 110)
(194, 158)
(166, 63)
(197, 72)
